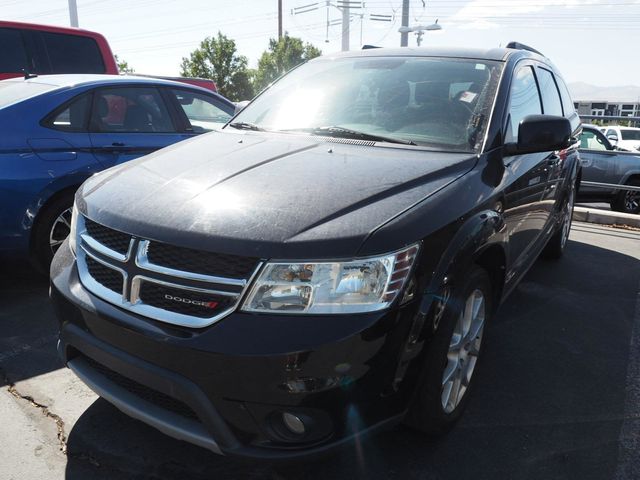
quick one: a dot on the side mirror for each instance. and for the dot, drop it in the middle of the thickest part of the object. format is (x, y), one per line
(541, 133)
(240, 106)
(613, 138)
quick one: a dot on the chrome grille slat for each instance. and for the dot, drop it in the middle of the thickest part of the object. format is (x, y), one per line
(170, 295)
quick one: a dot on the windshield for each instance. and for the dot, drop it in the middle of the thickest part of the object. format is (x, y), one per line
(629, 134)
(439, 102)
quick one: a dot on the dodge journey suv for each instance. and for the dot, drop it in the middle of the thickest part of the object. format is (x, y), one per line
(328, 264)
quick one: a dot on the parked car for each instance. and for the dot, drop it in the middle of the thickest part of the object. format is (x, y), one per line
(57, 131)
(197, 81)
(624, 138)
(602, 162)
(45, 49)
(326, 265)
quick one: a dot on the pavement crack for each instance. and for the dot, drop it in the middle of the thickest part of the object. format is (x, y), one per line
(62, 437)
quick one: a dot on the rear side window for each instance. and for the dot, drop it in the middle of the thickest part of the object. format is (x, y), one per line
(550, 96)
(130, 110)
(13, 57)
(72, 117)
(567, 104)
(72, 53)
(524, 100)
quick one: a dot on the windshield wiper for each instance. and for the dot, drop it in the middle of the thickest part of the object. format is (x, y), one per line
(246, 126)
(343, 132)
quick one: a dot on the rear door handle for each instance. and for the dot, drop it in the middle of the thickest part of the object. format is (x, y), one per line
(115, 147)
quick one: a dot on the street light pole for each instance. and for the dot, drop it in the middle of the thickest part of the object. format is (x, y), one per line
(345, 27)
(73, 13)
(279, 19)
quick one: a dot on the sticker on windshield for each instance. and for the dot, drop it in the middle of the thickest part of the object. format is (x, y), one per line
(467, 97)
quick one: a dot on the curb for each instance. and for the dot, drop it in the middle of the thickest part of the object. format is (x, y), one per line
(605, 217)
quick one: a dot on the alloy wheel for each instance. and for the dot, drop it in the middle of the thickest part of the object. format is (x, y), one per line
(632, 201)
(60, 230)
(464, 349)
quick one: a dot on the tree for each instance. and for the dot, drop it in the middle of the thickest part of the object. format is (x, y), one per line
(217, 59)
(123, 66)
(282, 56)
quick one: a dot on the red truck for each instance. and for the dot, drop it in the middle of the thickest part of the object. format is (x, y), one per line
(46, 49)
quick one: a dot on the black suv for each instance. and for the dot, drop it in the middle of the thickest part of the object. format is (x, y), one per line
(326, 264)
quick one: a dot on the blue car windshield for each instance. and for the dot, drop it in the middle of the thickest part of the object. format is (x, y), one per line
(443, 103)
(14, 91)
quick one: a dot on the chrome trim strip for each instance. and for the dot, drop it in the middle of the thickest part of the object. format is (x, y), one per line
(139, 279)
(167, 422)
(104, 250)
(142, 261)
(93, 285)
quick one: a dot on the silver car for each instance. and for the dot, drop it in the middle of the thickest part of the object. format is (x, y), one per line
(602, 162)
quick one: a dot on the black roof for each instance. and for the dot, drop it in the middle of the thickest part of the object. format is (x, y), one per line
(497, 54)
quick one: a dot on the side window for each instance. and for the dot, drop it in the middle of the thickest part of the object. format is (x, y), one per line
(72, 117)
(14, 57)
(72, 53)
(524, 100)
(550, 96)
(130, 110)
(591, 140)
(567, 104)
(204, 113)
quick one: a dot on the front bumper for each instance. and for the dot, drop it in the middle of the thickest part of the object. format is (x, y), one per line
(226, 386)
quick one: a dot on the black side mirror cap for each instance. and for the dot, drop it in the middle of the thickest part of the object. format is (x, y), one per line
(541, 133)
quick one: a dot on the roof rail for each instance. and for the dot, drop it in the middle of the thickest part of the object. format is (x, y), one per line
(522, 46)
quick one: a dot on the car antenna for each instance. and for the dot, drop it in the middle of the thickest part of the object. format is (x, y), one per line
(28, 75)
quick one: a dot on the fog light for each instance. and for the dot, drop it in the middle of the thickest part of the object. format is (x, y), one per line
(293, 423)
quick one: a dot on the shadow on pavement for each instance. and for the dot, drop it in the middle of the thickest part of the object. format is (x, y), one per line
(28, 328)
(549, 402)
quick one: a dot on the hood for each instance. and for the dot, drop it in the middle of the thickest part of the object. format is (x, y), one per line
(268, 195)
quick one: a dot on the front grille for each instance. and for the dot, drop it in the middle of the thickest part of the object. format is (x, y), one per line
(147, 394)
(184, 302)
(196, 261)
(105, 276)
(171, 284)
(113, 239)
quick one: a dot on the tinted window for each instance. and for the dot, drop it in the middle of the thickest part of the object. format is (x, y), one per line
(13, 57)
(524, 101)
(73, 117)
(567, 104)
(204, 113)
(592, 140)
(443, 103)
(550, 96)
(628, 134)
(72, 53)
(130, 109)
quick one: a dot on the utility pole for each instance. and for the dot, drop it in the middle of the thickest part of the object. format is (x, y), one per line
(404, 35)
(345, 27)
(279, 19)
(73, 13)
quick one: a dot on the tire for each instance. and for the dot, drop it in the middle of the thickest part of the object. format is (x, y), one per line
(51, 228)
(557, 243)
(627, 201)
(434, 410)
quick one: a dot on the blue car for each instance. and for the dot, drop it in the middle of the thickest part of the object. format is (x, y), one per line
(58, 130)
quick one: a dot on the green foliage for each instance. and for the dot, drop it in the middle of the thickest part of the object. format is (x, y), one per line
(123, 66)
(217, 59)
(282, 56)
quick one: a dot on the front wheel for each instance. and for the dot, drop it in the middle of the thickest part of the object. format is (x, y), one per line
(452, 357)
(627, 201)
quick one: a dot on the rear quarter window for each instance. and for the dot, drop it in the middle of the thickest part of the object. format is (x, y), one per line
(13, 57)
(72, 53)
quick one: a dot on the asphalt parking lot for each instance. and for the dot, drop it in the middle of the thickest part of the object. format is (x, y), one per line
(558, 394)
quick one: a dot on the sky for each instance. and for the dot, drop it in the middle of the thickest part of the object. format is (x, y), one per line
(591, 41)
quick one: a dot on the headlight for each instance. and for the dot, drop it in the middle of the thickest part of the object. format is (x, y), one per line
(74, 229)
(362, 285)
